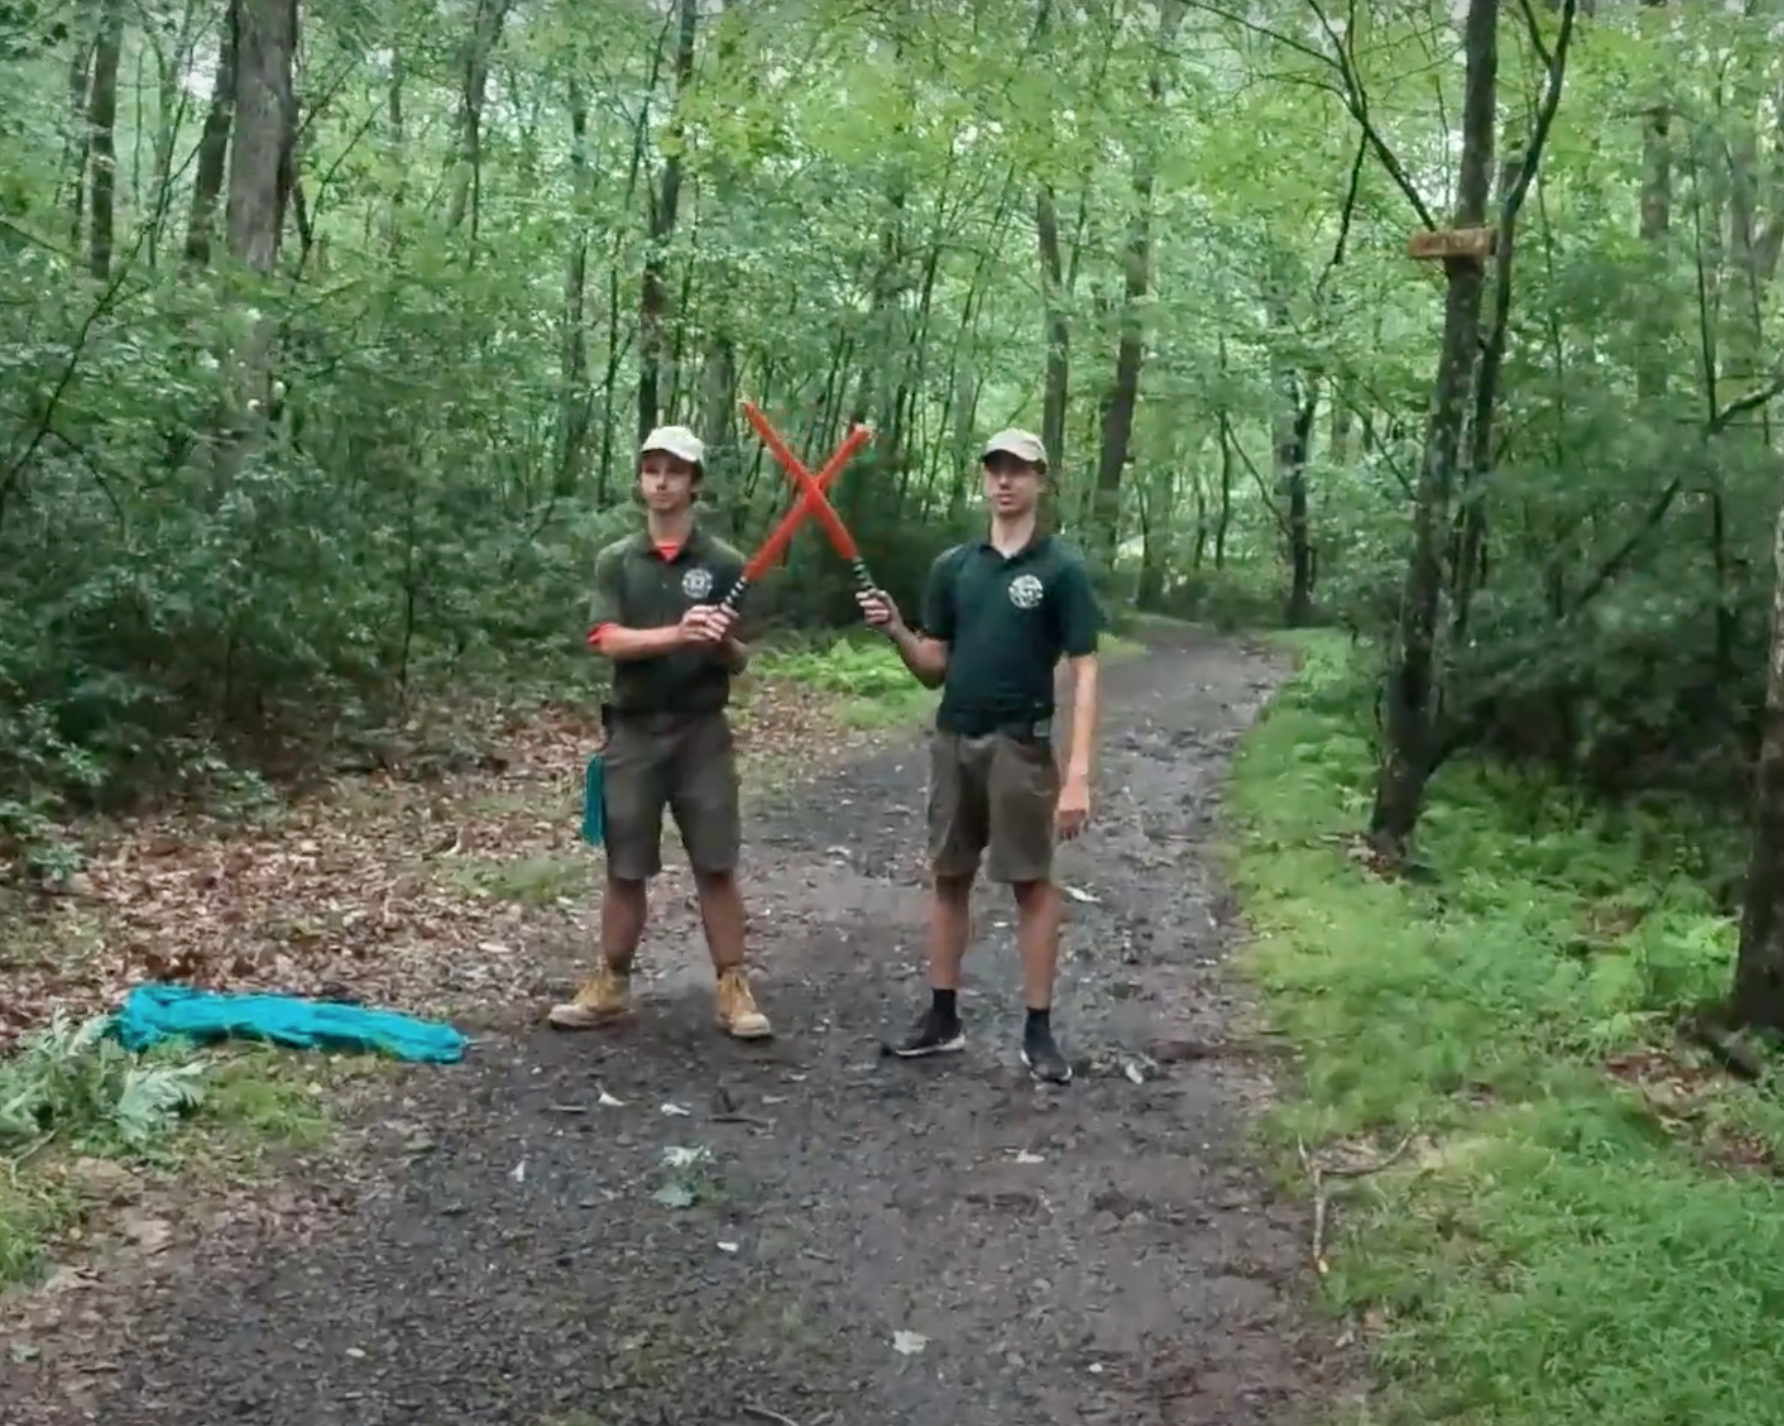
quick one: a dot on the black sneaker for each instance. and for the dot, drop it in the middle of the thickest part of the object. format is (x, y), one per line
(1043, 1058)
(937, 1033)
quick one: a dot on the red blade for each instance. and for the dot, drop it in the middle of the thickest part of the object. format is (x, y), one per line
(813, 498)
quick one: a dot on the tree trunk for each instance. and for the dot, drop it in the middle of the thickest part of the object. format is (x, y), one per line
(80, 126)
(254, 219)
(1058, 331)
(1294, 437)
(665, 199)
(1124, 392)
(1656, 219)
(259, 158)
(1056, 320)
(170, 105)
(1291, 447)
(1223, 519)
(1410, 732)
(213, 143)
(1517, 173)
(479, 50)
(1759, 965)
(574, 399)
(102, 116)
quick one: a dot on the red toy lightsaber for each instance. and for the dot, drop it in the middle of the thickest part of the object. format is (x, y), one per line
(812, 496)
(812, 501)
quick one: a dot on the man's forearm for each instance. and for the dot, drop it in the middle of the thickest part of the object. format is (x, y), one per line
(622, 645)
(1084, 714)
(927, 659)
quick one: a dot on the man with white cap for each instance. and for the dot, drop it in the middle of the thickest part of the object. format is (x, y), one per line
(656, 615)
(999, 614)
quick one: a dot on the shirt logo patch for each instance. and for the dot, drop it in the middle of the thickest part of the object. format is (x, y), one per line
(1025, 591)
(697, 582)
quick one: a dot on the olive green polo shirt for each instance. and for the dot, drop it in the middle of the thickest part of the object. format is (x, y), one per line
(637, 586)
(1007, 621)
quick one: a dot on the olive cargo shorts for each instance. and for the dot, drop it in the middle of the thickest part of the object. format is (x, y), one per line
(685, 762)
(994, 795)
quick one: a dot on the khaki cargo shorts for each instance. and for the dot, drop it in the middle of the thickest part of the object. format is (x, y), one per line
(686, 762)
(994, 796)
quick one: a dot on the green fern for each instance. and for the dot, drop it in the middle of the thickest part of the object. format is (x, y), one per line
(70, 1081)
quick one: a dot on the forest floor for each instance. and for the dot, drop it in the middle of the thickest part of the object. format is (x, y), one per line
(1543, 1206)
(657, 1225)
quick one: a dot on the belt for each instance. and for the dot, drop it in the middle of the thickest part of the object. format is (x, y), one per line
(1030, 730)
(644, 716)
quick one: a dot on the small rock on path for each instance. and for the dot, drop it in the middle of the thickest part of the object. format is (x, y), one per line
(658, 1226)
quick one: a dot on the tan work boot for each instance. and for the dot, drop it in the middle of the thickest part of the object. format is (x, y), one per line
(604, 996)
(737, 1013)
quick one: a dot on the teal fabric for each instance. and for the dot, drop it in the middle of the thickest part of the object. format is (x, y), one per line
(154, 1013)
(594, 802)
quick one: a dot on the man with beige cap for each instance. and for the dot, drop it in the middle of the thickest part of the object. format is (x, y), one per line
(999, 614)
(656, 614)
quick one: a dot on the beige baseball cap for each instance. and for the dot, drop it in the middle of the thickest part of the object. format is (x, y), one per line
(677, 441)
(1024, 445)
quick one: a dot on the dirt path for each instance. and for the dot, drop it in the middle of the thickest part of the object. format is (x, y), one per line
(513, 1250)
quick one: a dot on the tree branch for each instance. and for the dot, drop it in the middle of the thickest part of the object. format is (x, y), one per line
(1263, 486)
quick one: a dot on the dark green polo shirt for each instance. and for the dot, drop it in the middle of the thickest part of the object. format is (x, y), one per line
(1007, 622)
(637, 588)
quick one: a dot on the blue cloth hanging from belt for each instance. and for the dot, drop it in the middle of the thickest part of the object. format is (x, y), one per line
(152, 1014)
(594, 801)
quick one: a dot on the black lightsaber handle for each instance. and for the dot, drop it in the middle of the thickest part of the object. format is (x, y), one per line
(734, 596)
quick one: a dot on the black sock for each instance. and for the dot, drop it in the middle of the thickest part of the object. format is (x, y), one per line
(944, 1004)
(1040, 1022)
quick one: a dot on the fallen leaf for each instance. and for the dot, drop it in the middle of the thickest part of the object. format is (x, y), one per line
(908, 1344)
(149, 1234)
(676, 1195)
(607, 1101)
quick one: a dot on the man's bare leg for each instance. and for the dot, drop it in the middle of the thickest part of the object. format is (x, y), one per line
(623, 912)
(950, 930)
(1037, 939)
(607, 993)
(722, 915)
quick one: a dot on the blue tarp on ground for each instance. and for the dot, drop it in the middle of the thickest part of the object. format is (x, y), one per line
(154, 1013)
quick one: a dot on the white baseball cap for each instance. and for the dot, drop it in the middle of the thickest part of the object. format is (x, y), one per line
(677, 441)
(1024, 445)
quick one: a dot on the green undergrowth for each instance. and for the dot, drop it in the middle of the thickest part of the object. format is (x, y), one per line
(87, 1127)
(872, 687)
(1583, 1224)
(863, 672)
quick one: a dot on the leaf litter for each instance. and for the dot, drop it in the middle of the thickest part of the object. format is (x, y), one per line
(399, 886)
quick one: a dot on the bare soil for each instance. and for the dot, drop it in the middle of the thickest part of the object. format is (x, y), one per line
(863, 1241)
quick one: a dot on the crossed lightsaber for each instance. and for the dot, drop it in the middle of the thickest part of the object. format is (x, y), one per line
(812, 501)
